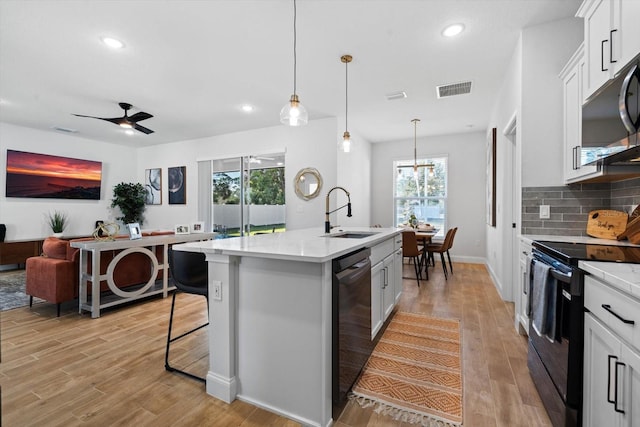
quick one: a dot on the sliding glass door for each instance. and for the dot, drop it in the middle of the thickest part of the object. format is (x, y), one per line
(248, 195)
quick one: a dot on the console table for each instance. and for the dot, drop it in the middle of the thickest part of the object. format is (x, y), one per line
(17, 251)
(145, 245)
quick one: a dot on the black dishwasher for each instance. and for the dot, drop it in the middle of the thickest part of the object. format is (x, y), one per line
(351, 320)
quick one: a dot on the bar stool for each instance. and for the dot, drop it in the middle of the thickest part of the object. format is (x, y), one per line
(190, 275)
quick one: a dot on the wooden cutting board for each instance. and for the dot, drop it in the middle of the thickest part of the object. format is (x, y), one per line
(606, 224)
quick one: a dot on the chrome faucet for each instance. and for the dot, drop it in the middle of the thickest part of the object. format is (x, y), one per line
(327, 224)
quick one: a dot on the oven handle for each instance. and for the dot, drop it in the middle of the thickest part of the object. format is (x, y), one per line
(560, 276)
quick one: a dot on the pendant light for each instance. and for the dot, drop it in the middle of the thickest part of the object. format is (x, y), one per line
(415, 154)
(346, 137)
(294, 113)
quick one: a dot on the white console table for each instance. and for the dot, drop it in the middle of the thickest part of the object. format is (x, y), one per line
(145, 245)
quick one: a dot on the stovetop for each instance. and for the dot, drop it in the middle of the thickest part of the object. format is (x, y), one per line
(571, 253)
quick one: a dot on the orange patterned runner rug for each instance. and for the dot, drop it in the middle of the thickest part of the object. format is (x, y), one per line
(414, 373)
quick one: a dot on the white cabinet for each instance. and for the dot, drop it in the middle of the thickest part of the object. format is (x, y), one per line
(386, 281)
(612, 39)
(611, 380)
(522, 294)
(611, 356)
(572, 78)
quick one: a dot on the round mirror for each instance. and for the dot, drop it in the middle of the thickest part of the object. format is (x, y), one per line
(308, 183)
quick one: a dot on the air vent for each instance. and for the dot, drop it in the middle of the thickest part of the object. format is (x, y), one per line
(453, 89)
(396, 95)
(66, 130)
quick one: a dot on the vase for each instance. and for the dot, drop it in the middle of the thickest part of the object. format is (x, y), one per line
(58, 235)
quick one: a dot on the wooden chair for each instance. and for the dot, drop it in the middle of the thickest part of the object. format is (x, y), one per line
(442, 248)
(410, 250)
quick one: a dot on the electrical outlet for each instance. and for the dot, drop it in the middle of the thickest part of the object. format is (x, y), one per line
(545, 212)
(217, 290)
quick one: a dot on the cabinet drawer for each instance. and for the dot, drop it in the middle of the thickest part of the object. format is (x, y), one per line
(397, 241)
(611, 307)
(381, 250)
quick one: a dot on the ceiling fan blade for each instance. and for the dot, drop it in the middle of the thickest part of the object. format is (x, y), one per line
(142, 129)
(140, 116)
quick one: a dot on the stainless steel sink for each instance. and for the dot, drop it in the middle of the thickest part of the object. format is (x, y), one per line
(353, 234)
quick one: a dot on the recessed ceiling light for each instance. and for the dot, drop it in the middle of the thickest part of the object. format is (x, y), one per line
(396, 95)
(112, 43)
(247, 108)
(453, 30)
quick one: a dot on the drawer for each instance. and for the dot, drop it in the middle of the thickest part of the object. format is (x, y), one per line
(382, 250)
(597, 294)
(525, 249)
(397, 241)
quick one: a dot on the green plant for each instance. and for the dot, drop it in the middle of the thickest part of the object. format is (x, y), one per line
(130, 198)
(57, 221)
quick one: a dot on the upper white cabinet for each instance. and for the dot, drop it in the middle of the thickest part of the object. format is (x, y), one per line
(572, 76)
(611, 37)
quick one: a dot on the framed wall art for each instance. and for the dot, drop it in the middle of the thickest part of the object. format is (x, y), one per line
(177, 185)
(153, 185)
(181, 229)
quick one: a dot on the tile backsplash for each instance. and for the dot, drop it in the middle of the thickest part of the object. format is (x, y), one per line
(570, 204)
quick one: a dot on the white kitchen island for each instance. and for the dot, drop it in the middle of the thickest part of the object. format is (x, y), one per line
(270, 329)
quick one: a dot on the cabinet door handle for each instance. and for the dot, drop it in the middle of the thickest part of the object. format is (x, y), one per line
(615, 397)
(602, 55)
(615, 385)
(611, 47)
(622, 319)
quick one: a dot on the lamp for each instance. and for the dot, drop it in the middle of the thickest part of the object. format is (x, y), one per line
(415, 155)
(346, 137)
(294, 113)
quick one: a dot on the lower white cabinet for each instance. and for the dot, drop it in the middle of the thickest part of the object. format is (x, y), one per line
(386, 281)
(522, 290)
(611, 395)
(611, 391)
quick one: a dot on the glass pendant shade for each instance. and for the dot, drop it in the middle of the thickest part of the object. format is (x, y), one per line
(294, 113)
(346, 142)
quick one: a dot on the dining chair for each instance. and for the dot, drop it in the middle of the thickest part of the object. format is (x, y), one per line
(189, 271)
(442, 248)
(410, 250)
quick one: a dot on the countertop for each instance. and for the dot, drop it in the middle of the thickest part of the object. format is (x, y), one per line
(623, 276)
(310, 245)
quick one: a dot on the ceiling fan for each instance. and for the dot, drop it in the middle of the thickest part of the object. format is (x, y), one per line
(126, 121)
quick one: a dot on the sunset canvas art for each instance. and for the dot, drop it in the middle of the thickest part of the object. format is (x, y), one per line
(46, 176)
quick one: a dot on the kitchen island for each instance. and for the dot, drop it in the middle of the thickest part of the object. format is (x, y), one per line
(270, 311)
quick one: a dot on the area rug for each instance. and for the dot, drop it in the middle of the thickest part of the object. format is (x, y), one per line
(12, 290)
(415, 372)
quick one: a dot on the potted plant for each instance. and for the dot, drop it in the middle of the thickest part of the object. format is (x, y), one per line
(58, 222)
(130, 198)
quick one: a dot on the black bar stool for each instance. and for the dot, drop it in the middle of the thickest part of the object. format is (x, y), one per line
(190, 274)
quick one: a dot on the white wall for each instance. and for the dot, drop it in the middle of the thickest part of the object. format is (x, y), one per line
(466, 186)
(309, 146)
(25, 217)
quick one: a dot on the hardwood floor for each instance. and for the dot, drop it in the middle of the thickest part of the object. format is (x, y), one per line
(74, 370)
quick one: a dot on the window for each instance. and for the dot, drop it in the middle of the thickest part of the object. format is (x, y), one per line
(421, 193)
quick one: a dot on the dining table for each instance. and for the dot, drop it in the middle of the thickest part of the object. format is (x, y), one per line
(424, 237)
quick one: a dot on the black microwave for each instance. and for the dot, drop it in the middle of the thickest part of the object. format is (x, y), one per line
(611, 122)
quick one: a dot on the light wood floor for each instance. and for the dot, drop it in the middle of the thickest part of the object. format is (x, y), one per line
(75, 370)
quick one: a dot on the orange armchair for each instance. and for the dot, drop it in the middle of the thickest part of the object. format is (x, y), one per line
(54, 275)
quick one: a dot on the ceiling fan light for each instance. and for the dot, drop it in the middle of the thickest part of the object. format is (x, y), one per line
(294, 113)
(126, 125)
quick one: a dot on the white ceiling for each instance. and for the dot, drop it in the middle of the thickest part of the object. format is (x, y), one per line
(193, 63)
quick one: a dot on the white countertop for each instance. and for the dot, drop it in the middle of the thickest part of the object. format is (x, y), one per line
(576, 239)
(623, 276)
(310, 245)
